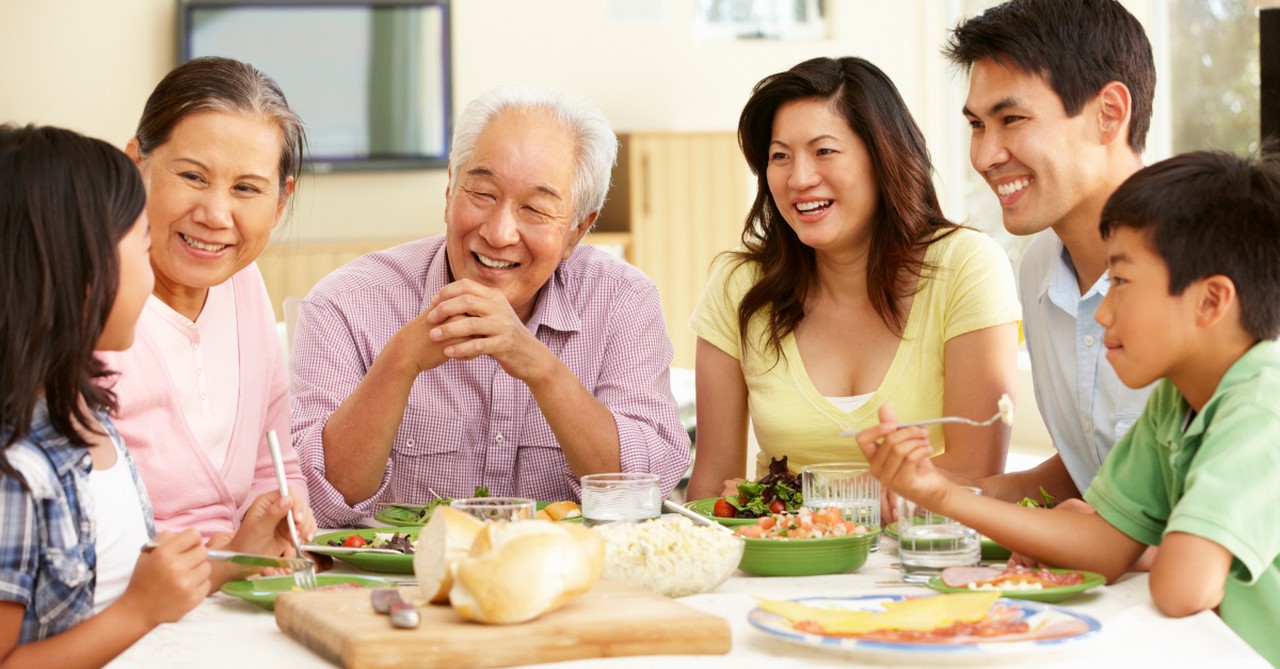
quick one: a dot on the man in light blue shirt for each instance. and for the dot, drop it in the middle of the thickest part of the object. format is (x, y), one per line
(1060, 95)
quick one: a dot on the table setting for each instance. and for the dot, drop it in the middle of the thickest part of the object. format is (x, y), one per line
(618, 583)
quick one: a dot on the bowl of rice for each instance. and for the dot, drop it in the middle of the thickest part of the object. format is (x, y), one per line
(670, 555)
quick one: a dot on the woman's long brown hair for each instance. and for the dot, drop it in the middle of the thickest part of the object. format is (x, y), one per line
(907, 216)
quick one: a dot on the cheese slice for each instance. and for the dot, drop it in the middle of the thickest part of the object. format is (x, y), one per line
(914, 614)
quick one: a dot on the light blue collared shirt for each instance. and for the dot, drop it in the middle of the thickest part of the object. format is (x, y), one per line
(1085, 406)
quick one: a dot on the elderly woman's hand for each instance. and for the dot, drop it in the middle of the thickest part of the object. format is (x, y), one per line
(474, 320)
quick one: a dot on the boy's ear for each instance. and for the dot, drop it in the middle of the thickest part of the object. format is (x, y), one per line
(1115, 107)
(1217, 300)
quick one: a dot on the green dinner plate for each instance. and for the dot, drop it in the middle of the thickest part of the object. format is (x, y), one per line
(262, 591)
(383, 563)
(807, 557)
(399, 516)
(707, 507)
(991, 551)
(1048, 595)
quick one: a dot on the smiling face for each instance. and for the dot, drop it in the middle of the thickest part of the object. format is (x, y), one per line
(821, 178)
(1146, 328)
(1042, 165)
(213, 196)
(136, 281)
(510, 220)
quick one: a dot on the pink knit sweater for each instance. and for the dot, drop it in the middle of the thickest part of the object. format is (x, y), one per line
(186, 489)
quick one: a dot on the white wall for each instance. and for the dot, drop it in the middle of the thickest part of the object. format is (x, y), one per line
(89, 65)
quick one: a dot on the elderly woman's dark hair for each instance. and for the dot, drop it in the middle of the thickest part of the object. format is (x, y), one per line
(212, 83)
(907, 215)
(66, 201)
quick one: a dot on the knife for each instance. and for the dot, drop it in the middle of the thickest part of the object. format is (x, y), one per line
(248, 558)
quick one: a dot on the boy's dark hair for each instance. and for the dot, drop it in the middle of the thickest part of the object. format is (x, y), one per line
(1077, 46)
(65, 203)
(1211, 213)
(908, 214)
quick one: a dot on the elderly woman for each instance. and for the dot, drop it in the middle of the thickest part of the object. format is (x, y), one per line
(852, 290)
(220, 153)
(501, 354)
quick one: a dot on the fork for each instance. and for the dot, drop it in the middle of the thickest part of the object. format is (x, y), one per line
(303, 578)
(303, 570)
(1004, 411)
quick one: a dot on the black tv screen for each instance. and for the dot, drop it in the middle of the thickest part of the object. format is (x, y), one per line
(370, 78)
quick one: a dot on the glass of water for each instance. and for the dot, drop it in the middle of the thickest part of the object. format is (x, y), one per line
(497, 508)
(626, 497)
(848, 486)
(929, 542)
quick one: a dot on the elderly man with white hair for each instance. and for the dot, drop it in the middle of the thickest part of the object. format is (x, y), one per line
(502, 354)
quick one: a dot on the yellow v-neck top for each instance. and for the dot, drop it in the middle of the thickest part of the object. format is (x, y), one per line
(971, 288)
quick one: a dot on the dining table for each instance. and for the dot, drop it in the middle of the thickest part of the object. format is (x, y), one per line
(224, 631)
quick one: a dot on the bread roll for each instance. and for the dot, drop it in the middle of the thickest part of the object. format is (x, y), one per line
(446, 538)
(519, 571)
(562, 510)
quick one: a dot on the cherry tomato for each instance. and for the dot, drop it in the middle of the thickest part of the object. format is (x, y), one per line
(355, 541)
(777, 506)
(724, 509)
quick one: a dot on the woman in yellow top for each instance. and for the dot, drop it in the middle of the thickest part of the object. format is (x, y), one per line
(852, 290)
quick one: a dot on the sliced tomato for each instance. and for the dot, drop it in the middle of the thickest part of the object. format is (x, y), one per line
(355, 541)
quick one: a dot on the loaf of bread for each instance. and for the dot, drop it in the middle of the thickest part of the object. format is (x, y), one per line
(562, 510)
(518, 571)
(446, 538)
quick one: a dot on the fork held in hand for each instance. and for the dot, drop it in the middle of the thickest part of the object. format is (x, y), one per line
(1003, 412)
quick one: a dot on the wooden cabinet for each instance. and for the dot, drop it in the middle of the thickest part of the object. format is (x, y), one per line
(677, 200)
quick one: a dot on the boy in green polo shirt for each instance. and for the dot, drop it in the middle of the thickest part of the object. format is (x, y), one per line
(1193, 245)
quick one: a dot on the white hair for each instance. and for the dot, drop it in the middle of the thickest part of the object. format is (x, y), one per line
(596, 146)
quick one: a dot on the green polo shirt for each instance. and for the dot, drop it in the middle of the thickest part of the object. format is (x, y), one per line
(1219, 478)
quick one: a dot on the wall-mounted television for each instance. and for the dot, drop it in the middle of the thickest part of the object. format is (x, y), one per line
(370, 78)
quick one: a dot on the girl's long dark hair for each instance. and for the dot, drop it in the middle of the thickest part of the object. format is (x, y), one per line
(907, 216)
(66, 201)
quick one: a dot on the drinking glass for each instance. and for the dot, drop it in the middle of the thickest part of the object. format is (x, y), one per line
(848, 486)
(929, 542)
(625, 497)
(496, 508)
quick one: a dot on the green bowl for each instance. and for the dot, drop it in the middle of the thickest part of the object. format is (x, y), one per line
(1047, 595)
(707, 507)
(807, 557)
(379, 562)
(991, 551)
(263, 591)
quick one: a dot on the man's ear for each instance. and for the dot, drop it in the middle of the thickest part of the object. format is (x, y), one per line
(584, 226)
(1115, 109)
(1217, 298)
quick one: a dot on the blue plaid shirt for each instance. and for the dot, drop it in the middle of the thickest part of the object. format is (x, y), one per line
(47, 535)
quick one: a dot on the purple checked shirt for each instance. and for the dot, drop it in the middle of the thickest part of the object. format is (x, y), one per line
(467, 422)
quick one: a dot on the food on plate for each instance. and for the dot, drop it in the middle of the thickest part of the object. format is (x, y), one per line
(938, 619)
(430, 507)
(804, 524)
(518, 571)
(445, 539)
(395, 541)
(1049, 500)
(559, 511)
(776, 492)
(670, 555)
(1012, 578)
(1005, 406)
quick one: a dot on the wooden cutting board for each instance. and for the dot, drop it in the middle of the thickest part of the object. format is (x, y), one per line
(613, 619)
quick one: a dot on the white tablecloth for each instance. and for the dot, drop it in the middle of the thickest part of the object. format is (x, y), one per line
(227, 632)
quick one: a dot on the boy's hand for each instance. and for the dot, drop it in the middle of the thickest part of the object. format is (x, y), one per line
(170, 579)
(901, 459)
